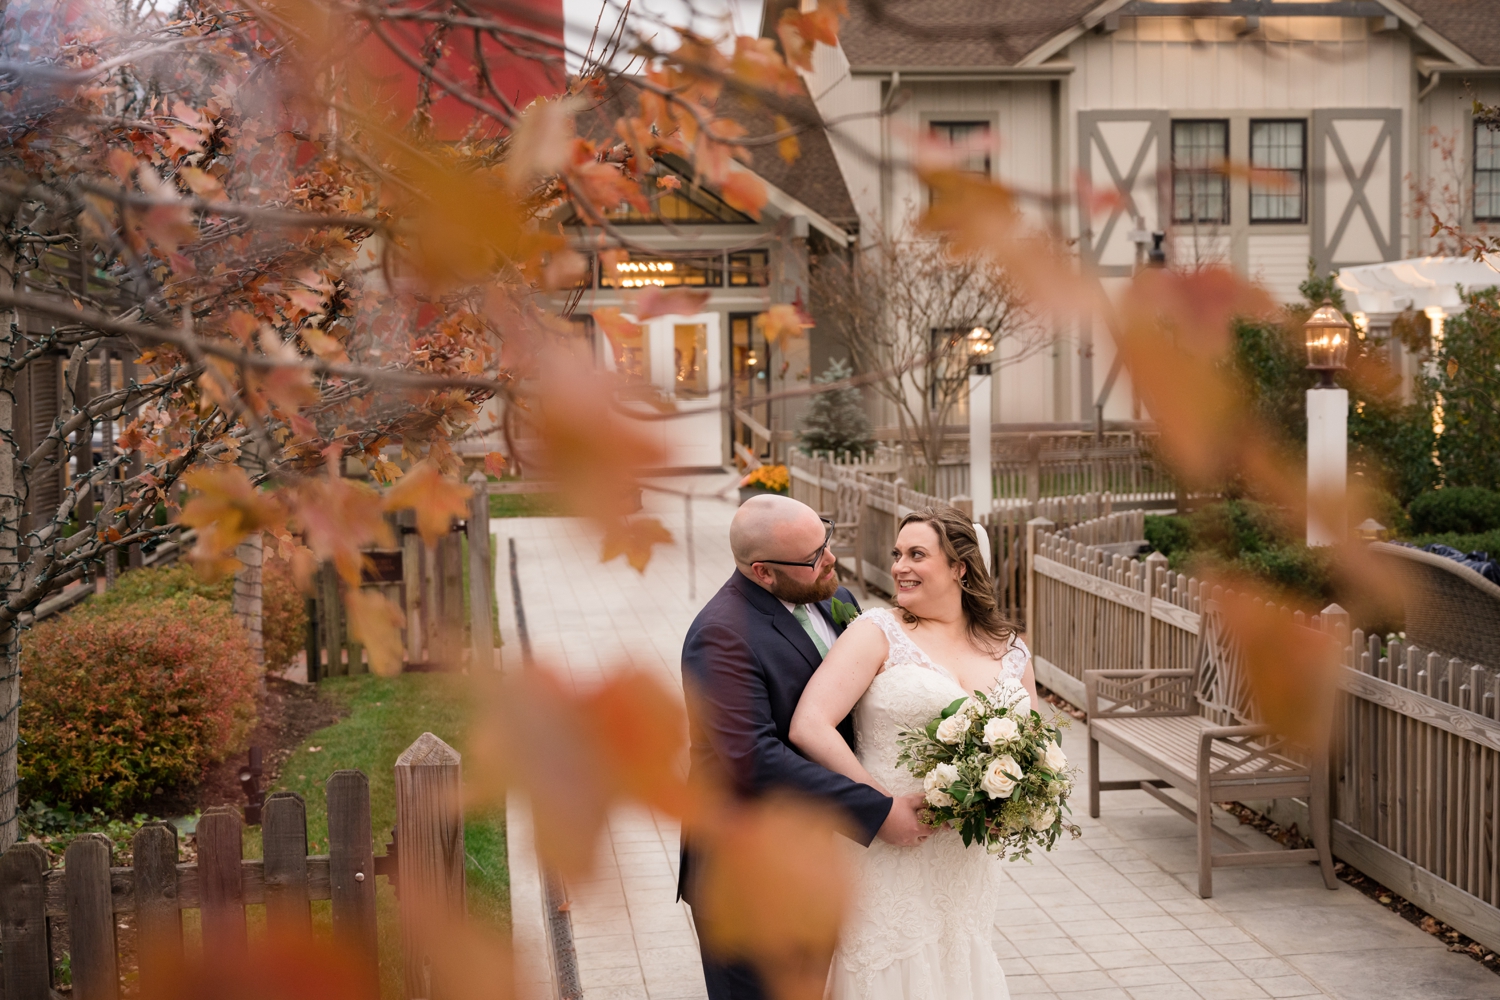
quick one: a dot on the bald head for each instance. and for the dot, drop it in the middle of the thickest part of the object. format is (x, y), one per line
(774, 527)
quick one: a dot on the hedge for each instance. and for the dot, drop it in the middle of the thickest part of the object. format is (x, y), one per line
(124, 701)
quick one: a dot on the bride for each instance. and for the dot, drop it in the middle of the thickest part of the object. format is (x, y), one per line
(923, 916)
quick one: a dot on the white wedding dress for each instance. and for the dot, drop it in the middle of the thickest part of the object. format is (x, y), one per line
(922, 918)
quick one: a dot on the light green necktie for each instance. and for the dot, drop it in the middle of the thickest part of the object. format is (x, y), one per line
(800, 613)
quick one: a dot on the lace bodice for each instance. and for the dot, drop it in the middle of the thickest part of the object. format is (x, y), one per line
(907, 693)
(924, 915)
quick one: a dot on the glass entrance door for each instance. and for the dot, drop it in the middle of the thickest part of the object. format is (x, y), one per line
(750, 378)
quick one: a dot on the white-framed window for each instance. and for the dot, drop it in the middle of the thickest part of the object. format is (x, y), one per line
(972, 137)
(1486, 173)
(1278, 165)
(1200, 184)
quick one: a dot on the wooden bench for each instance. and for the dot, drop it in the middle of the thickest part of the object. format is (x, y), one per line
(1198, 731)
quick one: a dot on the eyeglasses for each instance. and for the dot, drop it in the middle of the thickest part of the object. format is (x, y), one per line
(817, 557)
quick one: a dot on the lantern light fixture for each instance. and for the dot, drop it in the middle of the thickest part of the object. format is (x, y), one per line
(981, 345)
(1327, 336)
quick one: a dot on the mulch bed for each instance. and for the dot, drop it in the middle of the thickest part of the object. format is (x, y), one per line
(287, 713)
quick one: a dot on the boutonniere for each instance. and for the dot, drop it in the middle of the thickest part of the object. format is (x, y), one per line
(843, 613)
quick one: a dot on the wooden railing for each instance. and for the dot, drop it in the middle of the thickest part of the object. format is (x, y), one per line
(816, 481)
(86, 895)
(1038, 463)
(1415, 764)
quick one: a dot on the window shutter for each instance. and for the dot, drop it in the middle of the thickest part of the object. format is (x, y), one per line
(1356, 186)
(1129, 152)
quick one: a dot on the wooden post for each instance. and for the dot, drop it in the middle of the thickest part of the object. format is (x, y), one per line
(91, 919)
(331, 617)
(1033, 468)
(1153, 562)
(351, 865)
(23, 923)
(451, 565)
(430, 830)
(1032, 527)
(158, 920)
(221, 846)
(283, 830)
(411, 586)
(481, 574)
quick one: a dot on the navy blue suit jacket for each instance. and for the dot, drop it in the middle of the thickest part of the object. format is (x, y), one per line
(745, 662)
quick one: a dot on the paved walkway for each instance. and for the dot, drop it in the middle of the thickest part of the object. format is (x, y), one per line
(1108, 917)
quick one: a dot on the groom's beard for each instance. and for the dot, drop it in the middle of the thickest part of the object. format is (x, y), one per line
(793, 592)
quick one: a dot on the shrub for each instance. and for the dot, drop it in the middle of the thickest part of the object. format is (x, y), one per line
(283, 613)
(1168, 534)
(172, 583)
(1464, 510)
(1243, 537)
(126, 701)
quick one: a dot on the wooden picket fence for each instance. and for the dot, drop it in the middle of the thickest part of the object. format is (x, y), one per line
(815, 481)
(88, 896)
(1031, 463)
(443, 627)
(1415, 758)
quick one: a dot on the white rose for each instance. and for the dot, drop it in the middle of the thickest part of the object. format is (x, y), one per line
(1042, 822)
(939, 799)
(1000, 731)
(1001, 776)
(1054, 758)
(970, 708)
(937, 779)
(952, 729)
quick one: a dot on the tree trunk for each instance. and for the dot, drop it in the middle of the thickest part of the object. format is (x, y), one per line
(10, 576)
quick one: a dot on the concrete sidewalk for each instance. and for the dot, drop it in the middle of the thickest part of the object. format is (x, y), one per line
(1108, 917)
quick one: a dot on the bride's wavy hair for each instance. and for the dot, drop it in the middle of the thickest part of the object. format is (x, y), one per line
(990, 629)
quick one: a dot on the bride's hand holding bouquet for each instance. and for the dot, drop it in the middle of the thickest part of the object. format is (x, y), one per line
(994, 770)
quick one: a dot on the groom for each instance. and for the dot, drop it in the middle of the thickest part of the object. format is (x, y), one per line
(746, 659)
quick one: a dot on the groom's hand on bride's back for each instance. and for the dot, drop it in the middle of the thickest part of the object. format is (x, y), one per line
(901, 826)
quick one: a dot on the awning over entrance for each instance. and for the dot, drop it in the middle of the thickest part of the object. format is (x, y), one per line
(1423, 284)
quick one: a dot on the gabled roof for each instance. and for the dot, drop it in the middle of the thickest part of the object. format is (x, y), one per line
(1472, 25)
(882, 35)
(813, 179)
(950, 34)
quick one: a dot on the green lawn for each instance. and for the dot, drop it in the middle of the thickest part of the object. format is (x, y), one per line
(386, 716)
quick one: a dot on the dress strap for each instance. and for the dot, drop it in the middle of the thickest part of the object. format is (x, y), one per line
(903, 649)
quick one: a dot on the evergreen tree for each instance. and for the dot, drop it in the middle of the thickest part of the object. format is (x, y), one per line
(836, 420)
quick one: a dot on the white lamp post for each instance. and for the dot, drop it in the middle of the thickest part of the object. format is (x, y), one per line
(981, 345)
(1327, 336)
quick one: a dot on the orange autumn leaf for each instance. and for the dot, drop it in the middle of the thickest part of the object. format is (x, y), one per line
(743, 190)
(774, 887)
(784, 320)
(1292, 670)
(436, 499)
(339, 518)
(642, 733)
(376, 622)
(655, 301)
(494, 464)
(634, 539)
(226, 509)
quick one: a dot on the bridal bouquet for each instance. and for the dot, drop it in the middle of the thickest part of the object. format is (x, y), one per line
(994, 770)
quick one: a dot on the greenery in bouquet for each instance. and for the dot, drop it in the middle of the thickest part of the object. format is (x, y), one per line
(994, 770)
